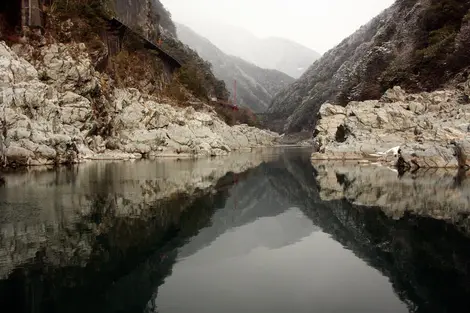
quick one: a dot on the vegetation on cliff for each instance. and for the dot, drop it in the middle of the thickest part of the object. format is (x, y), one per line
(418, 45)
(133, 66)
(256, 86)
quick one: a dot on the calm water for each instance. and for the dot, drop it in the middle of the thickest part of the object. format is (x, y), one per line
(261, 232)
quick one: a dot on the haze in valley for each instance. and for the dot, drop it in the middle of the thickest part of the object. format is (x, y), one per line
(316, 24)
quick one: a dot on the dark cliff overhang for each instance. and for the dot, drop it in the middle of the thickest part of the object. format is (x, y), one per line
(165, 56)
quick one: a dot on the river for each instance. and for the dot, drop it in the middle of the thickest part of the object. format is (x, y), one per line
(254, 232)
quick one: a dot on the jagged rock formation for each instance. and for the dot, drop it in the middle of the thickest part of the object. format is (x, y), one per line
(429, 129)
(280, 54)
(51, 113)
(419, 45)
(255, 86)
(81, 88)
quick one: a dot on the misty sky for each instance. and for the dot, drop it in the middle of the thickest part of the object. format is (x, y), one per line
(318, 24)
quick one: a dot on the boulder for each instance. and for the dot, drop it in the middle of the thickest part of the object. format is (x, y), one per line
(14, 69)
(18, 155)
(462, 152)
(422, 125)
(428, 156)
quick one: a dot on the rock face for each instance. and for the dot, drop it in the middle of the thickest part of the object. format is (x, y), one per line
(255, 86)
(419, 45)
(49, 114)
(142, 13)
(418, 130)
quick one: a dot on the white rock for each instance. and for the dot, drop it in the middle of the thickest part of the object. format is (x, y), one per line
(52, 120)
(18, 155)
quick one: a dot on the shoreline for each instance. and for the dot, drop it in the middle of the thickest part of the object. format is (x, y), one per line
(127, 157)
(52, 123)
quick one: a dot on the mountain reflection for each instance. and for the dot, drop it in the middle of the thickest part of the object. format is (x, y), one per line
(236, 233)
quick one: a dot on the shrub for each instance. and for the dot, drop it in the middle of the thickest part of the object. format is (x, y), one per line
(132, 68)
(234, 117)
(434, 59)
(174, 91)
(196, 74)
(192, 78)
(94, 10)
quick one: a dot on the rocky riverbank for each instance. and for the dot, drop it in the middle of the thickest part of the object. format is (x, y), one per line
(51, 112)
(424, 130)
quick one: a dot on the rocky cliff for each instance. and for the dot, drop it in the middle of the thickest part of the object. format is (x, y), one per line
(418, 45)
(143, 14)
(64, 98)
(51, 122)
(407, 130)
(255, 86)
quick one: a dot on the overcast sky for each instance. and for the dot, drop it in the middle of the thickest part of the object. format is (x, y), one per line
(318, 24)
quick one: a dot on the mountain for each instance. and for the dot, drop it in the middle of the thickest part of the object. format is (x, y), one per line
(418, 45)
(255, 86)
(273, 53)
(152, 20)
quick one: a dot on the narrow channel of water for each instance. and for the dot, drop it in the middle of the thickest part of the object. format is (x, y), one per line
(260, 232)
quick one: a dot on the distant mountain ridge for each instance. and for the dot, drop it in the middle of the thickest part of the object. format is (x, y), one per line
(256, 86)
(273, 53)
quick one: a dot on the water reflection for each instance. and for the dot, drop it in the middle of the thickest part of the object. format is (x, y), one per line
(253, 233)
(276, 264)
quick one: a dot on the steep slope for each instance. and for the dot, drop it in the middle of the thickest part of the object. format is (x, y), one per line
(143, 13)
(255, 86)
(72, 91)
(273, 53)
(419, 45)
(151, 19)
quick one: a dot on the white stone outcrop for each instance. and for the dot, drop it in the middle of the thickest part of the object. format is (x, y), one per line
(420, 130)
(49, 111)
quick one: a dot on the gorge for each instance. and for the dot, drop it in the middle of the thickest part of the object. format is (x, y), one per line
(133, 178)
(60, 105)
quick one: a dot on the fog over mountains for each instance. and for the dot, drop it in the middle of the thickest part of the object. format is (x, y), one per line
(272, 53)
(256, 86)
